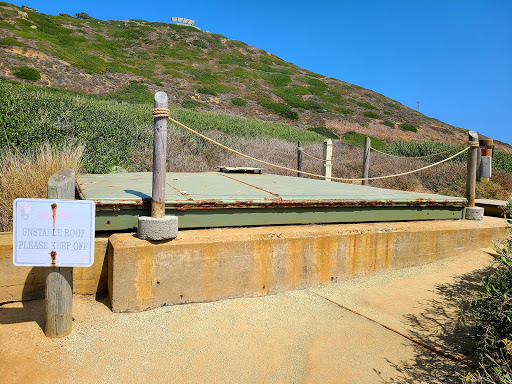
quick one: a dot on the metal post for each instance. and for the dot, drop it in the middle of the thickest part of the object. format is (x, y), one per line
(299, 158)
(159, 162)
(59, 280)
(327, 157)
(484, 166)
(366, 159)
(471, 168)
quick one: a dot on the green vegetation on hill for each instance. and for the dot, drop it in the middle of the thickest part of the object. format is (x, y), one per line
(357, 139)
(186, 62)
(111, 130)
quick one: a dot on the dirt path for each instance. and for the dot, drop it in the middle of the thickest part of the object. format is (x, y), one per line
(330, 334)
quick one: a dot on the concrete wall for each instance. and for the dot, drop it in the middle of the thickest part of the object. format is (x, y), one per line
(213, 264)
(28, 283)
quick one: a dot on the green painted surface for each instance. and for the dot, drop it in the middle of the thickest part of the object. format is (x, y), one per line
(214, 199)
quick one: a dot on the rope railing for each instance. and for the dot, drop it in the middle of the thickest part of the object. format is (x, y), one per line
(418, 157)
(164, 112)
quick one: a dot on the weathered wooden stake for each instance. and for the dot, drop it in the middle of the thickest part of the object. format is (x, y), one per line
(471, 168)
(327, 157)
(159, 162)
(59, 280)
(299, 158)
(366, 159)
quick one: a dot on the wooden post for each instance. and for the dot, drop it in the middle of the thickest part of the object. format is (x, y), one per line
(299, 158)
(327, 157)
(366, 159)
(471, 168)
(59, 280)
(159, 162)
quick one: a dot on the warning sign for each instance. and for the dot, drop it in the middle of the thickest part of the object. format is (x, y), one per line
(51, 232)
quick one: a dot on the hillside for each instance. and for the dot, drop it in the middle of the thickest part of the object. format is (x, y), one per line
(200, 70)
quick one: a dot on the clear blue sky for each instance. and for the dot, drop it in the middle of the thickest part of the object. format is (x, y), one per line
(454, 56)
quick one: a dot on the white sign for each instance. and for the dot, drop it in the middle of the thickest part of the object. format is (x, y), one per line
(50, 232)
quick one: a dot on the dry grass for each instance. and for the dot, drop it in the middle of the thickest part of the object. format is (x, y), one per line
(26, 175)
(186, 153)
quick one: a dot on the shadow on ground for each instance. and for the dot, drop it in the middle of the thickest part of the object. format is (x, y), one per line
(442, 322)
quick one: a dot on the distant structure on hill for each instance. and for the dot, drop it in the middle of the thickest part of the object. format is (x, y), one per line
(29, 8)
(183, 21)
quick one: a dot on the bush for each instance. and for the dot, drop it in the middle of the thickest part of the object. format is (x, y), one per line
(191, 104)
(492, 312)
(27, 73)
(11, 41)
(425, 148)
(199, 43)
(324, 132)
(365, 105)
(371, 115)
(238, 101)
(279, 108)
(357, 139)
(502, 161)
(389, 124)
(408, 127)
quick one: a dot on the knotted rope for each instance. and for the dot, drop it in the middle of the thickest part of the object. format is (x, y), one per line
(164, 113)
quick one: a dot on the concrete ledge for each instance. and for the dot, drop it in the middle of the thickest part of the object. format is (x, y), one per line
(28, 283)
(213, 264)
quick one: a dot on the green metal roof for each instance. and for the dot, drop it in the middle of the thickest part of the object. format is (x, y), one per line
(204, 195)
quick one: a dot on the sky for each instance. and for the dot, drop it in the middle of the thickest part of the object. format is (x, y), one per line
(453, 56)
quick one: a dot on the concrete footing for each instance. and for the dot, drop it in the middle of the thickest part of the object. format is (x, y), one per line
(473, 213)
(213, 264)
(151, 228)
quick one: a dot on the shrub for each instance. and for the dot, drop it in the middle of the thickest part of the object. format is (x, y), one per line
(199, 43)
(343, 111)
(502, 161)
(371, 115)
(492, 312)
(11, 41)
(135, 92)
(389, 123)
(279, 108)
(191, 104)
(27, 73)
(424, 148)
(408, 127)
(365, 105)
(357, 139)
(278, 79)
(213, 90)
(324, 132)
(238, 101)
